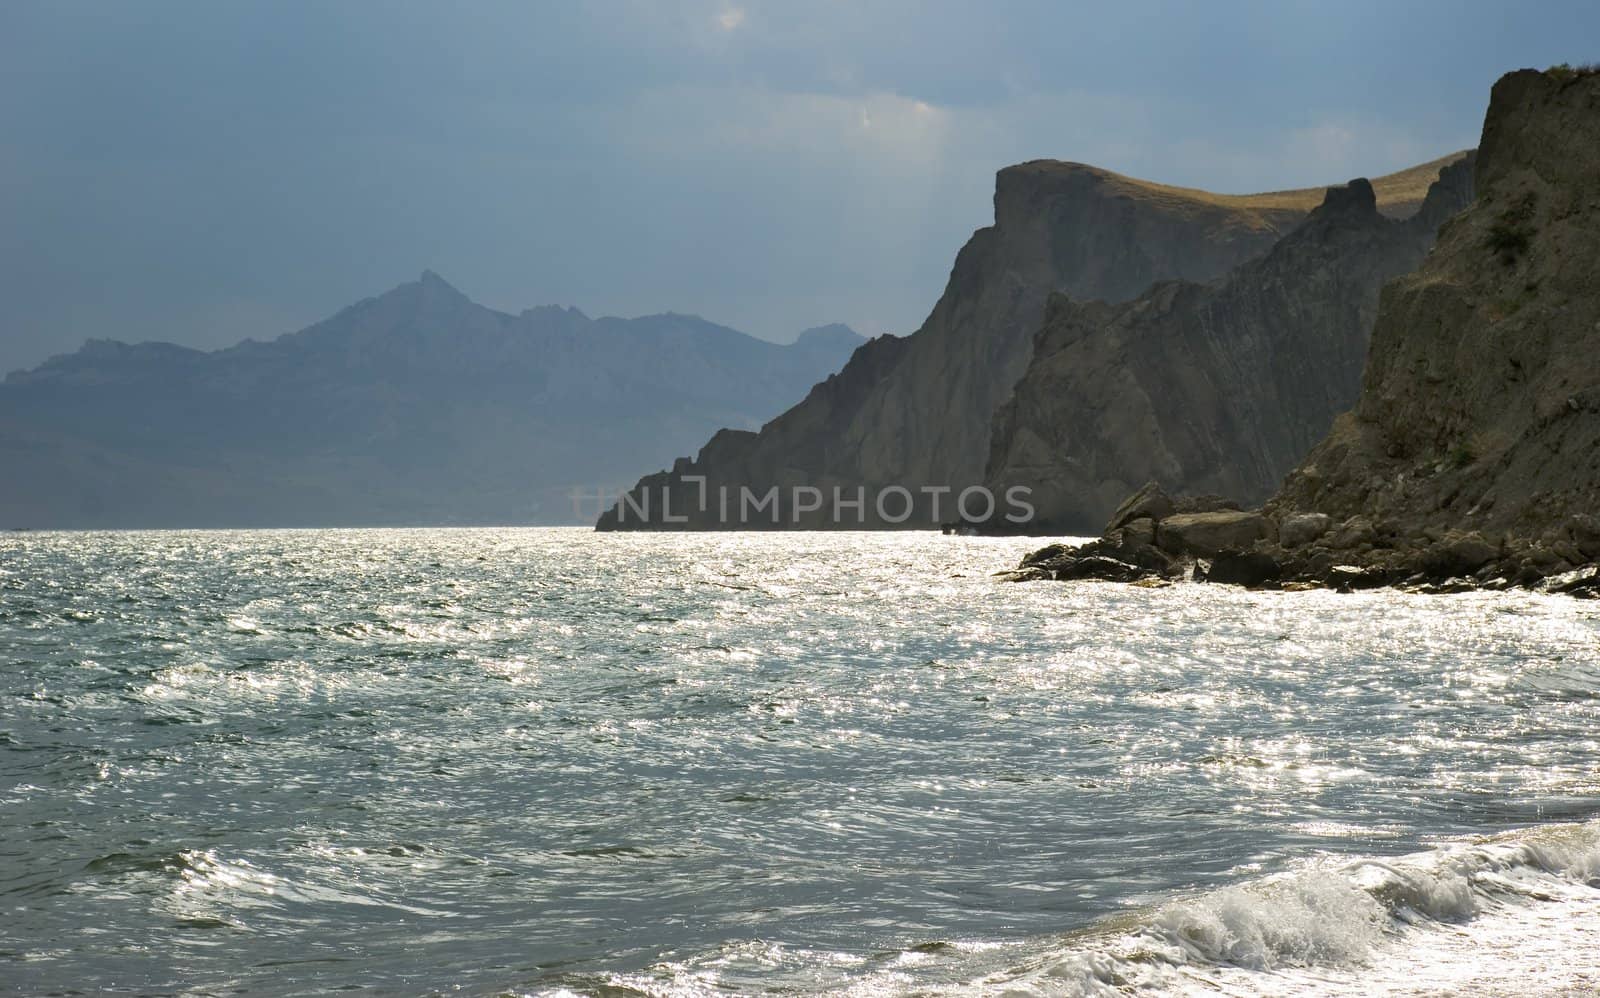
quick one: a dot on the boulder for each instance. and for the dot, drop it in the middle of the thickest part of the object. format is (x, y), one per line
(1098, 567)
(1047, 553)
(1141, 532)
(1352, 533)
(1149, 503)
(1152, 559)
(1207, 534)
(1314, 562)
(1543, 558)
(1207, 503)
(1303, 528)
(1570, 551)
(1129, 546)
(1244, 568)
(1346, 578)
(1525, 575)
(1445, 588)
(1585, 531)
(1031, 574)
(1458, 555)
(1584, 582)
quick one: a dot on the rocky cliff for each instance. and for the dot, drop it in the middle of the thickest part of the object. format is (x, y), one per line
(416, 406)
(1478, 425)
(1472, 455)
(915, 412)
(1214, 388)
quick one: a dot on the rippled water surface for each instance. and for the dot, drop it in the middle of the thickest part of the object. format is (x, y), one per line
(486, 761)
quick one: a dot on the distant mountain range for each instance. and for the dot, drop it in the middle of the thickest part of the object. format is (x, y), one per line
(415, 407)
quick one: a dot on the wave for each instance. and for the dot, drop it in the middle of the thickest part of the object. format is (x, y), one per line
(1369, 925)
(1512, 913)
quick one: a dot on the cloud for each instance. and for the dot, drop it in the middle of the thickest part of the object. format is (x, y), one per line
(875, 132)
(771, 167)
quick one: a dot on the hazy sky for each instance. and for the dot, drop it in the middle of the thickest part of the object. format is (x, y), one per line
(202, 172)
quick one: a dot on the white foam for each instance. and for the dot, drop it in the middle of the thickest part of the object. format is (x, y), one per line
(1315, 918)
(1518, 912)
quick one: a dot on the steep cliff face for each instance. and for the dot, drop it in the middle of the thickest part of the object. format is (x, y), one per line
(915, 412)
(1480, 404)
(1216, 388)
(1058, 227)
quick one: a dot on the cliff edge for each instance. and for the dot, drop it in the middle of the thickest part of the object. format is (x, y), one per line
(914, 412)
(1472, 455)
(1209, 388)
(1478, 424)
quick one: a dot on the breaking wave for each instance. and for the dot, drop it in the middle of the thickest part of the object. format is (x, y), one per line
(1338, 926)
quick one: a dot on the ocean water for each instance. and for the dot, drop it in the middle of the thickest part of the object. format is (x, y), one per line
(490, 762)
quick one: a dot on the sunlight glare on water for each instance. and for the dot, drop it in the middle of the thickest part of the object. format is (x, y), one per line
(546, 760)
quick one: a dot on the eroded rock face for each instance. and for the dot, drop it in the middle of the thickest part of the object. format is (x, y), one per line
(1479, 415)
(1209, 388)
(916, 412)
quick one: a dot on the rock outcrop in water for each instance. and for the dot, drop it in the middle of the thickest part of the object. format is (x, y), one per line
(415, 407)
(915, 412)
(1472, 457)
(1215, 388)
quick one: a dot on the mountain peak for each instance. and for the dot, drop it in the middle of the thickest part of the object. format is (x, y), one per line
(1355, 198)
(436, 288)
(428, 291)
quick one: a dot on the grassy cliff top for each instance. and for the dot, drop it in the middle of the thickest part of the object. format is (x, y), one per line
(1399, 194)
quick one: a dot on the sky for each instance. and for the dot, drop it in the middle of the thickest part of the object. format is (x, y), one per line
(203, 172)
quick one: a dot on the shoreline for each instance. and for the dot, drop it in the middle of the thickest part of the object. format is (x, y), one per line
(1155, 539)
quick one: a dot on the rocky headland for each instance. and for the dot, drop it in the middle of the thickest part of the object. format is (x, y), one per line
(1472, 457)
(916, 411)
(1218, 387)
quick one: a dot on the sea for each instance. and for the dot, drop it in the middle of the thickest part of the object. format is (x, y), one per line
(555, 762)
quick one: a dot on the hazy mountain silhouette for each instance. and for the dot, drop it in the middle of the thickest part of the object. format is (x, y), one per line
(418, 406)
